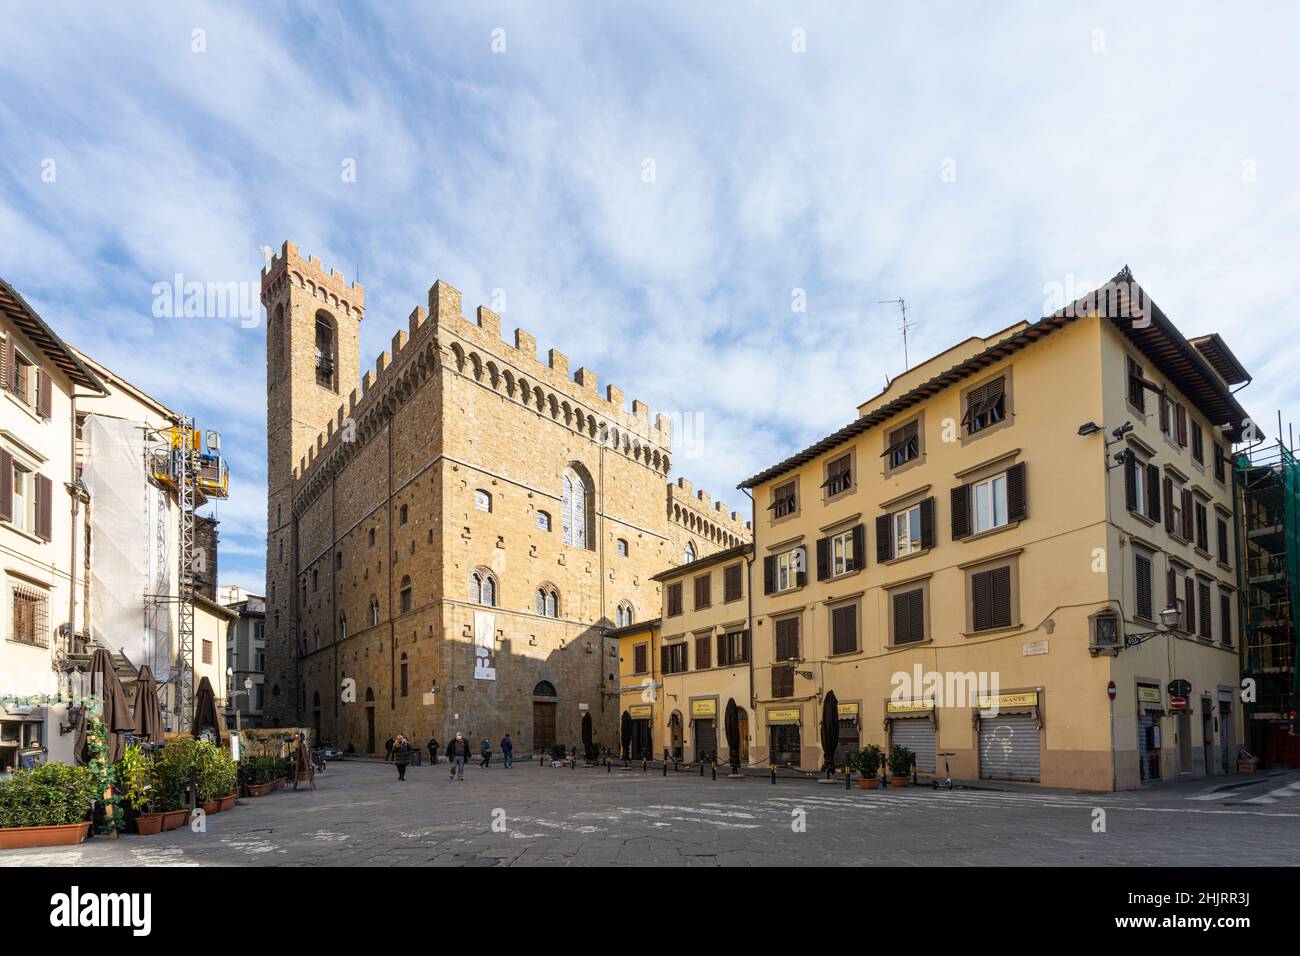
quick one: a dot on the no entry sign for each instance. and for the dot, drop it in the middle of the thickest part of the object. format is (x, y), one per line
(1110, 690)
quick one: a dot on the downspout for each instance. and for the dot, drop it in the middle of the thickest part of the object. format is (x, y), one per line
(601, 564)
(392, 625)
(749, 595)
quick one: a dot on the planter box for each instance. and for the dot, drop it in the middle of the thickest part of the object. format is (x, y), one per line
(1247, 764)
(900, 781)
(148, 824)
(211, 807)
(18, 838)
(227, 802)
(175, 819)
(869, 783)
(261, 789)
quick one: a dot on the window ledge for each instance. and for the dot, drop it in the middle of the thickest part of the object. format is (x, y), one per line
(839, 577)
(1224, 565)
(908, 557)
(891, 648)
(1140, 516)
(981, 535)
(1009, 629)
(23, 533)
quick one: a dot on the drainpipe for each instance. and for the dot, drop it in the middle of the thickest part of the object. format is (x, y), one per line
(749, 595)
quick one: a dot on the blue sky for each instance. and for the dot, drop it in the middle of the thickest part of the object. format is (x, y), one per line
(966, 157)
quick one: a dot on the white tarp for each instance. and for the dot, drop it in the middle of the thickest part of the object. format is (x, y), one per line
(484, 632)
(130, 545)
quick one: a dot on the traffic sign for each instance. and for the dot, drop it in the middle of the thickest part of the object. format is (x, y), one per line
(1178, 703)
(1110, 690)
(1180, 688)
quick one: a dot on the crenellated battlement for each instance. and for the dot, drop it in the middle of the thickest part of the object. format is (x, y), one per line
(309, 273)
(699, 513)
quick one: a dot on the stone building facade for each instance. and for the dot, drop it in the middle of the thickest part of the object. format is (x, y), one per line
(449, 541)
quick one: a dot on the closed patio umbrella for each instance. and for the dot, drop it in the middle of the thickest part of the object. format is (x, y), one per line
(830, 730)
(587, 746)
(148, 710)
(205, 712)
(627, 735)
(731, 723)
(114, 712)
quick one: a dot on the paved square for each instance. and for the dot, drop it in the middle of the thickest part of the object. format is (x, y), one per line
(360, 815)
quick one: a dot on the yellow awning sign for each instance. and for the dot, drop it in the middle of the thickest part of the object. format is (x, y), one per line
(1149, 695)
(640, 711)
(847, 710)
(704, 708)
(784, 716)
(909, 706)
(1005, 701)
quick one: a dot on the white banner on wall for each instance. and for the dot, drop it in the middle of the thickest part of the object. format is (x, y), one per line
(484, 647)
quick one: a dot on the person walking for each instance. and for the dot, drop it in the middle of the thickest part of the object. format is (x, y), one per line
(485, 751)
(388, 749)
(458, 753)
(507, 752)
(433, 751)
(401, 754)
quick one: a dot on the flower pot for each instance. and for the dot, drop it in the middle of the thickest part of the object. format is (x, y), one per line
(227, 802)
(869, 783)
(147, 824)
(261, 789)
(174, 819)
(900, 781)
(211, 806)
(19, 838)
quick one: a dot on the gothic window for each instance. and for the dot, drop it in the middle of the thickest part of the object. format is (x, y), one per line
(548, 601)
(623, 614)
(405, 593)
(343, 627)
(543, 521)
(482, 500)
(577, 508)
(374, 610)
(482, 588)
(689, 554)
(622, 548)
(326, 352)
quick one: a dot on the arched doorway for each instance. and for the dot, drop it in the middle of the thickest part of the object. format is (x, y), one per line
(370, 721)
(544, 704)
(743, 717)
(675, 735)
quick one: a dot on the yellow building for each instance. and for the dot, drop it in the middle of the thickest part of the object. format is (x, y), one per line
(678, 673)
(996, 539)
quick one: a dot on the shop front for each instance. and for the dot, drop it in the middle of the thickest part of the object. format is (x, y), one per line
(704, 728)
(912, 724)
(785, 740)
(1009, 727)
(1150, 710)
(850, 733)
(642, 745)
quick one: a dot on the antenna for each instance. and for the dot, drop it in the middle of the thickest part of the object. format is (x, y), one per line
(903, 325)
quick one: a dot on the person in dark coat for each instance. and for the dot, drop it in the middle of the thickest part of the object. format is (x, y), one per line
(401, 754)
(485, 751)
(457, 754)
(507, 751)
(388, 749)
(433, 750)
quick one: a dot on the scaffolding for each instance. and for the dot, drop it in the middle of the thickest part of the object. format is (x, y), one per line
(1267, 478)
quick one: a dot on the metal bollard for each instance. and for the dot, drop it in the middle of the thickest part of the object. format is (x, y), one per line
(848, 778)
(701, 769)
(643, 764)
(772, 767)
(609, 767)
(665, 768)
(715, 769)
(541, 760)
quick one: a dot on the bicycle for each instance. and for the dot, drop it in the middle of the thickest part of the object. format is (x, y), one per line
(934, 784)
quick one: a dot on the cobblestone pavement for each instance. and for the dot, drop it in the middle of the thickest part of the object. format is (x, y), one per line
(360, 815)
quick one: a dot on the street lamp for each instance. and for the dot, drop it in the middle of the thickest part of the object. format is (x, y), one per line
(1168, 618)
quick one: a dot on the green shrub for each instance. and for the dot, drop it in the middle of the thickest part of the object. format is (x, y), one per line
(217, 773)
(867, 760)
(137, 780)
(900, 761)
(53, 794)
(558, 752)
(260, 769)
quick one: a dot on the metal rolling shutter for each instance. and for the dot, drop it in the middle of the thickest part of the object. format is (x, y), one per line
(1225, 735)
(917, 735)
(706, 740)
(1009, 748)
(849, 741)
(1148, 757)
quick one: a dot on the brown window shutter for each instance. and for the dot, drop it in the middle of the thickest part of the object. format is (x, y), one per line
(902, 628)
(1164, 414)
(6, 483)
(1000, 580)
(1130, 481)
(5, 354)
(927, 522)
(1171, 588)
(823, 558)
(723, 659)
(44, 395)
(884, 538)
(1142, 568)
(787, 638)
(1017, 501)
(844, 639)
(1153, 492)
(981, 601)
(1187, 514)
(44, 505)
(1189, 596)
(916, 614)
(703, 591)
(733, 583)
(702, 649)
(1169, 505)
(859, 559)
(1181, 418)
(663, 659)
(961, 512)
(769, 574)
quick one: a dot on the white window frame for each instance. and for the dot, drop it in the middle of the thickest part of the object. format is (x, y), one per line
(995, 491)
(902, 523)
(23, 503)
(543, 521)
(786, 578)
(483, 500)
(841, 553)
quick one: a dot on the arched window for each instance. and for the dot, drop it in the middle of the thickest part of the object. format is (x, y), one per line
(622, 548)
(689, 554)
(544, 688)
(343, 627)
(482, 500)
(401, 515)
(404, 595)
(374, 610)
(543, 521)
(548, 601)
(576, 495)
(372, 537)
(316, 636)
(482, 588)
(404, 676)
(624, 614)
(326, 351)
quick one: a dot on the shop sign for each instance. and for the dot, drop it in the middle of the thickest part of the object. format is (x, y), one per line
(784, 716)
(704, 708)
(1006, 701)
(909, 706)
(640, 711)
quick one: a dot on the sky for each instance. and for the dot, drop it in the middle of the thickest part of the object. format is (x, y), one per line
(710, 208)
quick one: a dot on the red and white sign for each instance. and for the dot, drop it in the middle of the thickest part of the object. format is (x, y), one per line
(1178, 703)
(1110, 690)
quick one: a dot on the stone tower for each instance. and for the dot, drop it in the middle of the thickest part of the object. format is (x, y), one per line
(312, 356)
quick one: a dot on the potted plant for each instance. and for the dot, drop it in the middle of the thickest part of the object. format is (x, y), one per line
(136, 781)
(172, 768)
(49, 805)
(867, 762)
(900, 765)
(216, 776)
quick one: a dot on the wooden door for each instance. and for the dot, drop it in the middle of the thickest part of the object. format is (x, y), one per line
(543, 725)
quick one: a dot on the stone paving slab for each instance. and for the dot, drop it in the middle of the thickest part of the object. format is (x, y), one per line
(361, 815)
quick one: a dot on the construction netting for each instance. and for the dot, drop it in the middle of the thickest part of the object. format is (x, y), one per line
(131, 545)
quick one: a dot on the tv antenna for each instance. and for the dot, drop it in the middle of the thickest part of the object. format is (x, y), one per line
(903, 325)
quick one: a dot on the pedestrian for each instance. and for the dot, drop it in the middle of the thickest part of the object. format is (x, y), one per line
(507, 751)
(485, 751)
(401, 754)
(388, 749)
(458, 753)
(433, 751)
